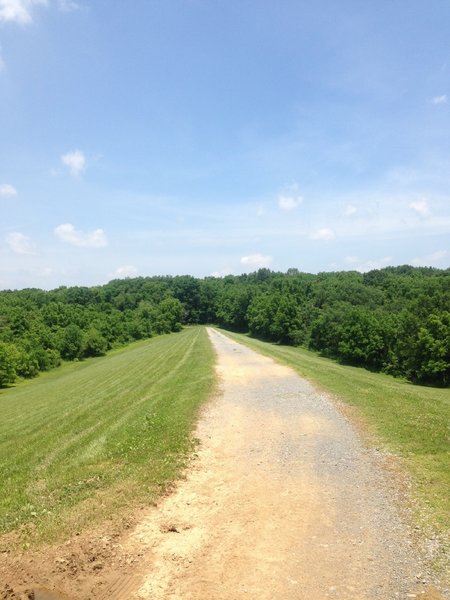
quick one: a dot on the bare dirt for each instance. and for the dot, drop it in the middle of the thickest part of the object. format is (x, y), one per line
(281, 502)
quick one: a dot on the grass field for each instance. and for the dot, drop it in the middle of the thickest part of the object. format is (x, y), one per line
(82, 442)
(410, 421)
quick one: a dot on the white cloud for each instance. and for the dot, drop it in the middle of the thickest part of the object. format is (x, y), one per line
(125, 271)
(222, 272)
(440, 99)
(421, 207)
(289, 202)
(75, 161)
(350, 210)
(289, 198)
(368, 265)
(20, 243)
(256, 261)
(431, 260)
(91, 239)
(7, 190)
(383, 215)
(18, 11)
(325, 233)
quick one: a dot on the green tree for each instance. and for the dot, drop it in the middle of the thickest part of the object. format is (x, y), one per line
(260, 315)
(93, 343)
(169, 316)
(7, 364)
(428, 359)
(26, 364)
(232, 306)
(71, 342)
(286, 321)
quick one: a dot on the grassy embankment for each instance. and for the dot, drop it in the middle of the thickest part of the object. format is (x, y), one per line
(84, 441)
(410, 421)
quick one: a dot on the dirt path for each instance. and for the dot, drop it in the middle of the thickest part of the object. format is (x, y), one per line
(282, 502)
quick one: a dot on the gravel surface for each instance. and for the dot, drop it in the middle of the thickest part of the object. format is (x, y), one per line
(358, 525)
(284, 501)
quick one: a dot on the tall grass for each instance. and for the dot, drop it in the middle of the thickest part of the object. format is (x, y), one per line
(90, 438)
(410, 421)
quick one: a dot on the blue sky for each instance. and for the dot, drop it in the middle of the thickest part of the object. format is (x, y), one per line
(213, 137)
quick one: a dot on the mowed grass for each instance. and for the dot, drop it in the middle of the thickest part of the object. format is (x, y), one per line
(411, 421)
(80, 443)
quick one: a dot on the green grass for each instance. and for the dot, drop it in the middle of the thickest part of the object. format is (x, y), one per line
(410, 421)
(88, 439)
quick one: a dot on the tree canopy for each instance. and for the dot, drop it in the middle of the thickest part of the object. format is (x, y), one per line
(395, 320)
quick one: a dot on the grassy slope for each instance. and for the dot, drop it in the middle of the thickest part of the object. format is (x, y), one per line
(85, 440)
(411, 421)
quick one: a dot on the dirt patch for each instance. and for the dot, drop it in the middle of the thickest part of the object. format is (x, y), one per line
(85, 566)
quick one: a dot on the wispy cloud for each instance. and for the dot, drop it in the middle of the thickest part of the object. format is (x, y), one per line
(19, 11)
(421, 207)
(324, 233)
(289, 202)
(289, 199)
(350, 210)
(440, 99)
(125, 271)
(431, 260)
(90, 239)
(7, 190)
(385, 215)
(256, 261)
(368, 265)
(20, 243)
(75, 161)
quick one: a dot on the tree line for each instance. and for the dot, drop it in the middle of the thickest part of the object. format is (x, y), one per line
(395, 320)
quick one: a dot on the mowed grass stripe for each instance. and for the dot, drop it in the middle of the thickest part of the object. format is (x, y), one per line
(98, 389)
(91, 427)
(111, 423)
(90, 410)
(409, 420)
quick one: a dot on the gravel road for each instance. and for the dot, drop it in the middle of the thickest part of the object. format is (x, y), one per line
(283, 502)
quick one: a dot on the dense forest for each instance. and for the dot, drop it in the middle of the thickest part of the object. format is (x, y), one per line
(395, 320)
